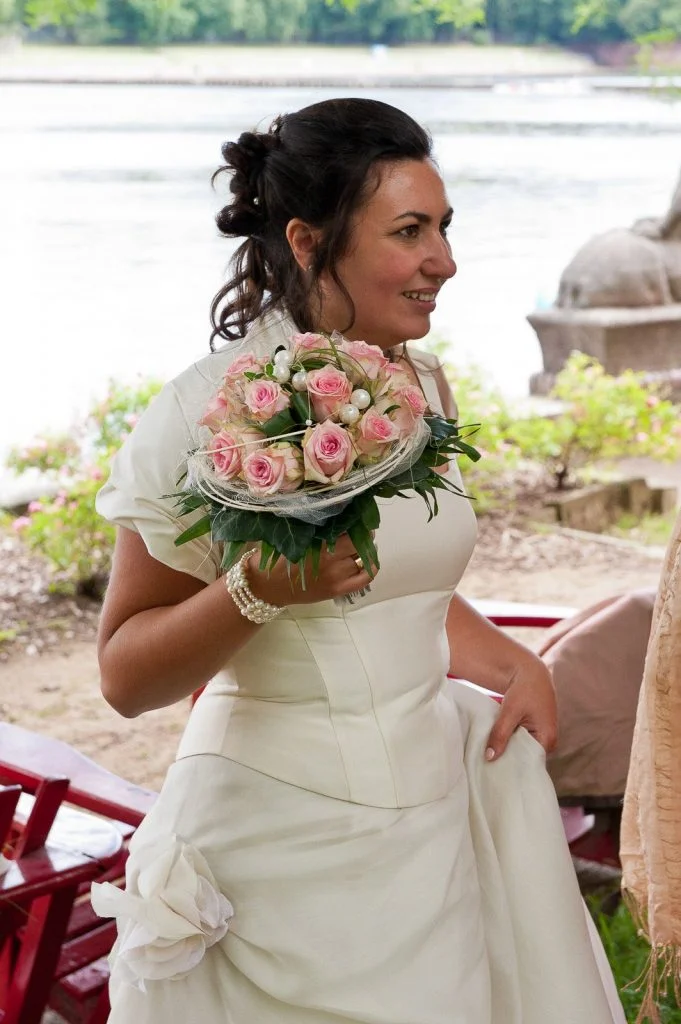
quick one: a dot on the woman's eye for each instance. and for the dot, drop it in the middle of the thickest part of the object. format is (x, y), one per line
(444, 227)
(410, 231)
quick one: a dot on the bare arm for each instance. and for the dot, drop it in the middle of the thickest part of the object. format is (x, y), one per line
(164, 633)
(483, 654)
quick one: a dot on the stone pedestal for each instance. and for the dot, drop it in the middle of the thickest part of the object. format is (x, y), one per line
(646, 338)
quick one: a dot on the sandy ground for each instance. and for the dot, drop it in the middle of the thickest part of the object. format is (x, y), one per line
(55, 689)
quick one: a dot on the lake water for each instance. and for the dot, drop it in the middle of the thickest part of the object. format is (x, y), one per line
(109, 255)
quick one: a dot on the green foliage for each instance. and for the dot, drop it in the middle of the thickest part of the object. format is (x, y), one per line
(63, 525)
(154, 22)
(37, 13)
(649, 529)
(605, 418)
(628, 954)
(485, 416)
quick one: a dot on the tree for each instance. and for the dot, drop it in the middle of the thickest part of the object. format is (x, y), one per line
(36, 13)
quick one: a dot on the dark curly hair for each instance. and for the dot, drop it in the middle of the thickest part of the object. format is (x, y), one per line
(315, 165)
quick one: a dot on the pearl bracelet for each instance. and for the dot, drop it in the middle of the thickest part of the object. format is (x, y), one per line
(250, 606)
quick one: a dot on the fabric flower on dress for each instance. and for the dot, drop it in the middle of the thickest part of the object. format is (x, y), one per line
(169, 915)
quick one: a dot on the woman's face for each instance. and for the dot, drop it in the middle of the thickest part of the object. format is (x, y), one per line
(397, 261)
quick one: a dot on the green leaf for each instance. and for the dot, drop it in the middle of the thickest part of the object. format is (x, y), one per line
(365, 547)
(301, 406)
(231, 555)
(290, 536)
(371, 516)
(282, 423)
(198, 529)
(315, 555)
(266, 553)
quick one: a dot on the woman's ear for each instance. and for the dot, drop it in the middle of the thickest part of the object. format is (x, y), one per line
(303, 240)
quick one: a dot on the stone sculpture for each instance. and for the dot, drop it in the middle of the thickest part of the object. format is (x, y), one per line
(619, 300)
(637, 266)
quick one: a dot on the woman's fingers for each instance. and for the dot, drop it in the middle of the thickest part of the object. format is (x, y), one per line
(506, 724)
(529, 703)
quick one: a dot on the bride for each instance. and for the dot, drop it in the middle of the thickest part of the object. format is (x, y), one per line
(345, 835)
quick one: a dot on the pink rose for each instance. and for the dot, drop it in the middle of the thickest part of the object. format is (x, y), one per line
(226, 454)
(247, 363)
(328, 453)
(394, 376)
(277, 469)
(218, 410)
(371, 358)
(328, 388)
(304, 344)
(249, 438)
(412, 406)
(374, 431)
(265, 398)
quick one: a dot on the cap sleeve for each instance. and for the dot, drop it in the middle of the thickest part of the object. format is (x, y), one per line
(148, 466)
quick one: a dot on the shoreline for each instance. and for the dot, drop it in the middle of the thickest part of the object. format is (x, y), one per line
(547, 82)
(453, 66)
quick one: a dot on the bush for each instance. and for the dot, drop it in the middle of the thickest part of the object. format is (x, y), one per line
(605, 417)
(482, 407)
(65, 527)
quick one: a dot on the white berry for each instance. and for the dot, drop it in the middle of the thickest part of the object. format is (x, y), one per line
(281, 373)
(299, 380)
(349, 414)
(361, 398)
(283, 358)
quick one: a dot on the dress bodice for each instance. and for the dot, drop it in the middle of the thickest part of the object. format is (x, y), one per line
(348, 700)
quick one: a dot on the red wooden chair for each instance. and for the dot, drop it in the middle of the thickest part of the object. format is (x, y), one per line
(72, 974)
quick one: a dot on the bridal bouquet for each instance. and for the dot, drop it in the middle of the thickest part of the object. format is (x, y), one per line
(296, 448)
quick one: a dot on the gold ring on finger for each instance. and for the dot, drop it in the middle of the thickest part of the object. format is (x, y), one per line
(359, 563)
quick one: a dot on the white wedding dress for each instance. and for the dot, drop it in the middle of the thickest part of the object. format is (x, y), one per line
(330, 846)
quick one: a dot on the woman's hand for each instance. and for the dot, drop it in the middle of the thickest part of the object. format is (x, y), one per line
(529, 701)
(340, 573)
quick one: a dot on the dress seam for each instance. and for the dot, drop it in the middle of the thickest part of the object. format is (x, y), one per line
(373, 705)
(328, 704)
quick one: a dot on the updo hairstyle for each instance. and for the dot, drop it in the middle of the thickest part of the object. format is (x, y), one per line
(315, 165)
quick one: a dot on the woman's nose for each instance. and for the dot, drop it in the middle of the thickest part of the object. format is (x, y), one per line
(440, 262)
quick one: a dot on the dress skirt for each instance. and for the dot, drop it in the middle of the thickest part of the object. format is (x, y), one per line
(252, 901)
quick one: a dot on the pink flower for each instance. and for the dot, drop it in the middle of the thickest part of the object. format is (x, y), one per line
(412, 406)
(371, 357)
(264, 398)
(34, 506)
(642, 437)
(217, 412)
(328, 388)
(328, 453)
(20, 523)
(304, 344)
(226, 454)
(394, 376)
(277, 469)
(247, 363)
(375, 430)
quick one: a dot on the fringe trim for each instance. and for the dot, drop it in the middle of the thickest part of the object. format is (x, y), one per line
(663, 968)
